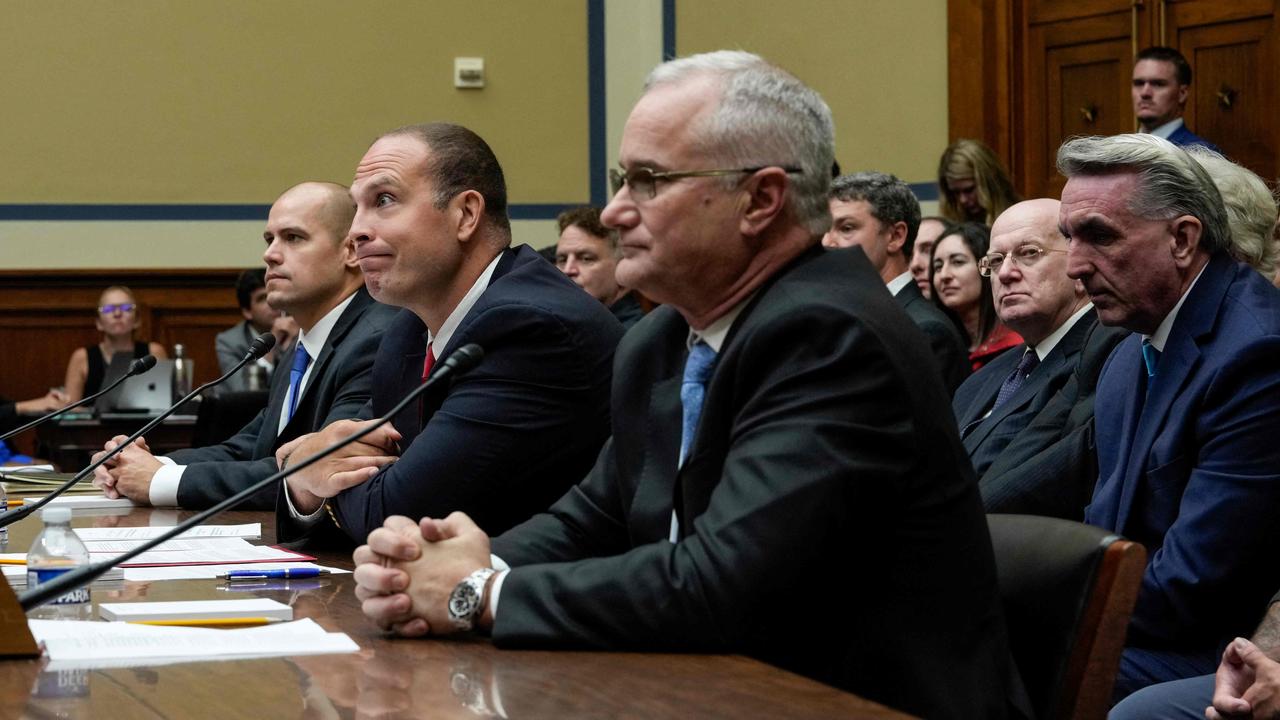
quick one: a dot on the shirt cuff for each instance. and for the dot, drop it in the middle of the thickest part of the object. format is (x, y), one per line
(164, 484)
(494, 591)
(307, 520)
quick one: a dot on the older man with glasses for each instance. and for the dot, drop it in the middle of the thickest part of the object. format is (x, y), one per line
(1033, 295)
(762, 493)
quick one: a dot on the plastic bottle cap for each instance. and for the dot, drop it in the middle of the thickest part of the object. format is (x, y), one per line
(56, 515)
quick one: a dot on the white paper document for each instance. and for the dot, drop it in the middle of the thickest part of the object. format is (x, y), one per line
(88, 644)
(211, 572)
(206, 551)
(196, 610)
(251, 531)
(85, 501)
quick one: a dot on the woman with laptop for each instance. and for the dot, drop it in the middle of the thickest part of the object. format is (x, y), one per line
(117, 318)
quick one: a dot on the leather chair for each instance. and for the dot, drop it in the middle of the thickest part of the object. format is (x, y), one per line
(1068, 590)
(221, 416)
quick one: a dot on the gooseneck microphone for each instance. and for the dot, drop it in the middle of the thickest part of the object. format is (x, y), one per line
(137, 367)
(462, 360)
(257, 349)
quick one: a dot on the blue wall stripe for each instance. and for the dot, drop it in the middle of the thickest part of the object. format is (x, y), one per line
(597, 154)
(925, 191)
(668, 29)
(529, 211)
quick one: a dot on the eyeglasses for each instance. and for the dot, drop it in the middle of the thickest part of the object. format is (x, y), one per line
(113, 309)
(1025, 256)
(644, 182)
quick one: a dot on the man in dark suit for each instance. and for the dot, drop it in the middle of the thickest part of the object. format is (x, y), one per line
(1188, 407)
(587, 254)
(1027, 264)
(505, 439)
(313, 275)
(880, 214)
(1161, 85)
(780, 443)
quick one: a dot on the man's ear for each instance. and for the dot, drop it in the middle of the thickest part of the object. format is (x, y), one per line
(1184, 240)
(245, 312)
(349, 258)
(897, 238)
(465, 210)
(1183, 92)
(766, 195)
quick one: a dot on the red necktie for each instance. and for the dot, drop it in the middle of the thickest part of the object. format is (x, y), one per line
(428, 363)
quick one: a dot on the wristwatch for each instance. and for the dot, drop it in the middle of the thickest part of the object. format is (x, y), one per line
(467, 600)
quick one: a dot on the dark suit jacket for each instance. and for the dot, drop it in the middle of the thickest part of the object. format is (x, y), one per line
(1050, 467)
(829, 520)
(948, 346)
(1190, 466)
(503, 441)
(338, 388)
(986, 439)
(1182, 137)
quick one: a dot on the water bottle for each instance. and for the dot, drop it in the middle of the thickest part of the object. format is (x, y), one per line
(57, 550)
(183, 372)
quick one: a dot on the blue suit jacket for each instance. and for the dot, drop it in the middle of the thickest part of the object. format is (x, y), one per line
(1182, 137)
(506, 439)
(1190, 466)
(985, 439)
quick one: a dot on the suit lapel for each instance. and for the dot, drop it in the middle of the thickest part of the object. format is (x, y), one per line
(992, 379)
(1178, 363)
(650, 516)
(319, 366)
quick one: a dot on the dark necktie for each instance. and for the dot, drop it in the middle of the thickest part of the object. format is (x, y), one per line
(1016, 378)
(300, 362)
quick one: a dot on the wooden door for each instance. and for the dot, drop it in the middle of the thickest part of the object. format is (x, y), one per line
(1233, 51)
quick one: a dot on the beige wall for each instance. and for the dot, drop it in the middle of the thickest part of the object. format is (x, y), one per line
(880, 64)
(193, 101)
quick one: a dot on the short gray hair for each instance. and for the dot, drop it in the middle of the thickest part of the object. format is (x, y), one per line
(1170, 183)
(890, 199)
(1251, 209)
(766, 117)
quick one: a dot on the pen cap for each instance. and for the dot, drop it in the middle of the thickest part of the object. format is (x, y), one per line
(58, 515)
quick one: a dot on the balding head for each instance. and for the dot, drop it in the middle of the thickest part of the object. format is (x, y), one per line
(1030, 287)
(311, 266)
(331, 202)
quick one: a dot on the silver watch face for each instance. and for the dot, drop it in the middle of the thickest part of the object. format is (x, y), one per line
(463, 602)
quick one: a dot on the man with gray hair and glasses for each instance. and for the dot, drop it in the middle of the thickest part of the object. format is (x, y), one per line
(1188, 407)
(784, 479)
(880, 214)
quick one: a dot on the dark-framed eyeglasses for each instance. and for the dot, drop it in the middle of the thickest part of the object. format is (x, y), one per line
(123, 308)
(1025, 256)
(644, 181)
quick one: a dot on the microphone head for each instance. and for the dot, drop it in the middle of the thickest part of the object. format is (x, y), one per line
(142, 364)
(465, 358)
(261, 345)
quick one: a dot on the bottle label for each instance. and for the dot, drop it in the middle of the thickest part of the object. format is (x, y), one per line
(40, 576)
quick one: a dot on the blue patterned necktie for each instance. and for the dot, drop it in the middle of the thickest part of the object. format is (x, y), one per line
(697, 369)
(300, 362)
(1030, 360)
(1150, 356)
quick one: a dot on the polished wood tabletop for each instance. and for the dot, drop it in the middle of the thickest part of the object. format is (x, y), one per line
(393, 677)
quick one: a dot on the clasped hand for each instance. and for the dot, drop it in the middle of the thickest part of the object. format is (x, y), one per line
(354, 464)
(127, 474)
(406, 572)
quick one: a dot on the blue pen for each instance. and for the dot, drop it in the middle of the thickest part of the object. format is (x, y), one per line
(286, 574)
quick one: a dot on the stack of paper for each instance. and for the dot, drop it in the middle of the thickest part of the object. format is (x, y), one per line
(17, 575)
(88, 644)
(40, 479)
(196, 610)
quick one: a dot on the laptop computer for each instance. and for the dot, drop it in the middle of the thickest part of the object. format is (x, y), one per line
(147, 394)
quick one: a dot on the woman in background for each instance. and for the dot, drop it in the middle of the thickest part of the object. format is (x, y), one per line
(973, 185)
(117, 319)
(965, 295)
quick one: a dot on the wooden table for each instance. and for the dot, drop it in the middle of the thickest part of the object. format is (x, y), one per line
(69, 444)
(388, 678)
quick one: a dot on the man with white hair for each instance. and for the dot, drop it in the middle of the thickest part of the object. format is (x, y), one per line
(784, 479)
(1188, 407)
